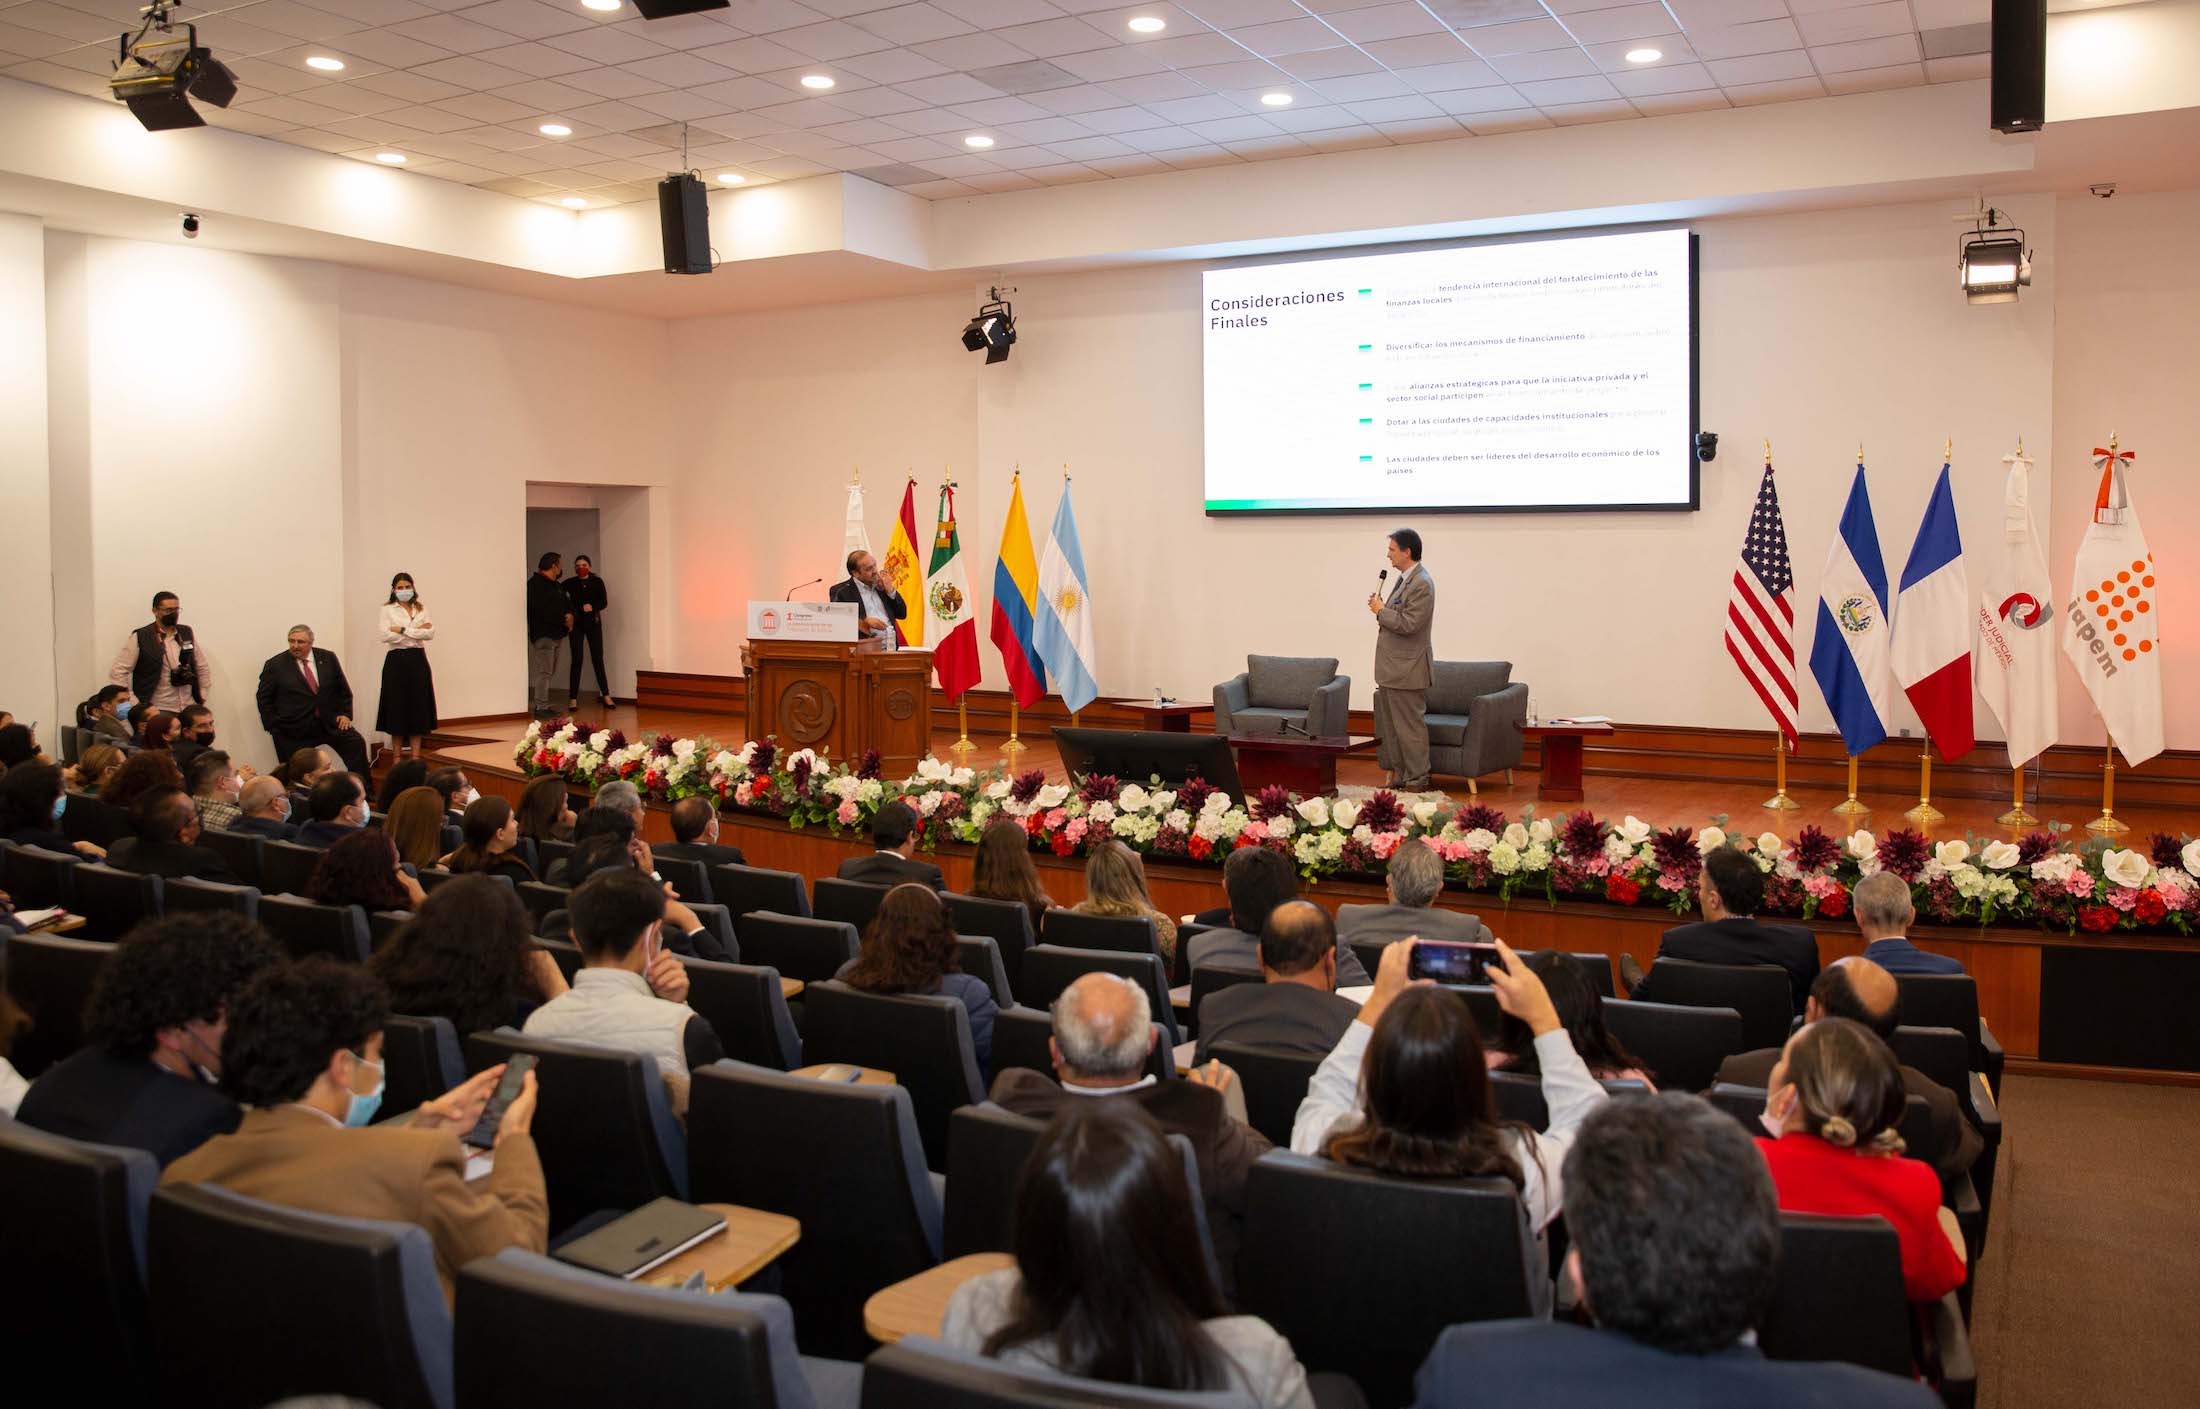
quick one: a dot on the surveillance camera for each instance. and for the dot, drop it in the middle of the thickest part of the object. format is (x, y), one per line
(1707, 446)
(190, 227)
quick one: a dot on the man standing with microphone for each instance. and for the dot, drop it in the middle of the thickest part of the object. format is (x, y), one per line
(1403, 663)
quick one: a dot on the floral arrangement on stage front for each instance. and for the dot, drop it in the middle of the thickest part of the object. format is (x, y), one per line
(2043, 878)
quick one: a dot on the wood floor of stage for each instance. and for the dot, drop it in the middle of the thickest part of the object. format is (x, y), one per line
(1660, 802)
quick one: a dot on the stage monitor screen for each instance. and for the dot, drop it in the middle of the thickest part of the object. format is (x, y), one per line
(1550, 373)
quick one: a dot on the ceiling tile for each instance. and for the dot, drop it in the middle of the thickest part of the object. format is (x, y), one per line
(1098, 65)
(1263, 148)
(612, 83)
(1442, 78)
(1857, 22)
(546, 95)
(971, 51)
(1049, 130)
(1612, 57)
(1235, 14)
(529, 19)
(1960, 39)
(1327, 63)
(364, 102)
(1195, 50)
(1418, 50)
(1376, 22)
(1206, 108)
(926, 122)
(384, 46)
(538, 59)
(1115, 121)
(1522, 37)
(678, 107)
(1866, 53)
(1517, 120)
(832, 39)
(995, 111)
(941, 190)
(1811, 7)
(1592, 88)
(1026, 76)
(752, 55)
(605, 46)
(1761, 68)
(680, 70)
(1703, 14)
(1345, 139)
(485, 107)
(469, 72)
(1625, 22)
(458, 36)
(1380, 111)
(950, 88)
(865, 132)
(1786, 90)
(1733, 41)
(1248, 73)
(1551, 63)
(1240, 128)
(1468, 14)
(1057, 36)
(1670, 104)
(1866, 80)
(1941, 14)
(914, 148)
(1955, 70)
(1153, 88)
(1662, 78)
(412, 87)
(1127, 166)
(911, 24)
(1360, 87)
(766, 16)
(1288, 37)
(1084, 98)
(999, 14)
(893, 66)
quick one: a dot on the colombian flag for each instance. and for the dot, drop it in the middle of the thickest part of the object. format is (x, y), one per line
(905, 569)
(1015, 592)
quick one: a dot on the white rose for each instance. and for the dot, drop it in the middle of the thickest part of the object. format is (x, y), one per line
(1481, 839)
(1133, 798)
(1952, 854)
(1209, 825)
(1345, 814)
(1869, 865)
(2192, 857)
(2053, 869)
(1769, 843)
(1999, 855)
(1102, 813)
(1053, 795)
(1617, 852)
(1315, 811)
(997, 789)
(721, 761)
(600, 740)
(1710, 839)
(1162, 802)
(1178, 820)
(1281, 826)
(1516, 836)
(961, 778)
(2126, 868)
(1504, 858)
(1540, 831)
(1363, 833)
(929, 803)
(534, 730)
(747, 755)
(1216, 804)
(1634, 831)
(1424, 811)
(1862, 846)
(683, 749)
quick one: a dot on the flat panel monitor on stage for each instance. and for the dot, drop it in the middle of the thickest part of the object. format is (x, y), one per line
(1134, 755)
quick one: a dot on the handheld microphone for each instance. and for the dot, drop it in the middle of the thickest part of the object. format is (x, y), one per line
(799, 586)
(1381, 578)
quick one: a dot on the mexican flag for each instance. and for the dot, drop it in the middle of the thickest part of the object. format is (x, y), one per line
(905, 571)
(947, 604)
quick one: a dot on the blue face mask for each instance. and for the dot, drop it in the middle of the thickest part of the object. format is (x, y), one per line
(122, 710)
(60, 805)
(404, 594)
(364, 1107)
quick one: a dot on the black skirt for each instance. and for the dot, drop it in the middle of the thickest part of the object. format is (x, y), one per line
(408, 695)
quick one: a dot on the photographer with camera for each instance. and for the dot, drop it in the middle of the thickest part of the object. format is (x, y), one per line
(161, 664)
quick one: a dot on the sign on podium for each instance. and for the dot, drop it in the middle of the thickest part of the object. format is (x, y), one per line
(803, 621)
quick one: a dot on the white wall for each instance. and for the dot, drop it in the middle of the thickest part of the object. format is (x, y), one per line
(26, 627)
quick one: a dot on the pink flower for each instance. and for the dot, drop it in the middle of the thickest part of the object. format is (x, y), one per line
(2123, 897)
(2079, 885)
(847, 813)
(1254, 834)
(1598, 866)
(1672, 880)
(1075, 831)
(1820, 886)
(1384, 843)
(1056, 818)
(744, 795)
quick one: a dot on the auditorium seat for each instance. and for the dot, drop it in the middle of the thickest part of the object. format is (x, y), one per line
(432, 880)
(1951, 1000)
(72, 1218)
(689, 877)
(71, 745)
(920, 1373)
(1305, 692)
(551, 854)
(744, 1006)
(1519, 1096)
(923, 1039)
(217, 1261)
(1211, 978)
(1840, 1297)
(743, 889)
(286, 868)
(1943, 1054)
(113, 902)
(1048, 969)
(88, 819)
(304, 928)
(1020, 1037)
(565, 952)
(240, 851)
(1368, 951)
(36, 878)
(541, 898)
(797, 946)
(1180, 968)
(1475, 710)
(987, 1147)
(978, 956)
(1599, 967)
(1681, 1047)
(1275, 1083)
(181, 893)
(850, 902)
(1006, 922)
(1126, 934)
(719, 922)
(383, 925)
(1761, 993)
(846, 1159)
(51, 978)
(423, 1060)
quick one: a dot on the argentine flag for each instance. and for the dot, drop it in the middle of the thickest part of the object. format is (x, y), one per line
(1932, 647)
(1851, 652)
(1064, 632)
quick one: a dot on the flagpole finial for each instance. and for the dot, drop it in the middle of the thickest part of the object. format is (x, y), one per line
(1860, 452)
(1947, 448)
(2112, 442)
(1768, 449)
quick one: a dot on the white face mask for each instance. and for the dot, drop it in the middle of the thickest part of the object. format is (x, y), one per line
(404, 594)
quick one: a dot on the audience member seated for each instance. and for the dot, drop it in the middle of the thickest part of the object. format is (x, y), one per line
(12, 1021)
(403, 774)
(467, 956)
(1115, 884)
(1884, 915)
(1105, 1286)
(630, 993)
(106, 713)
(304, 1052)
(622, 797)
(1581, 1012)
(19, 746)
(1415, 877)
(451, 785)
(265, 808)
(363, 870)
(1407, 1091)
(95, 767)
(335, 809)
(215, 785)
(141, 773)
(1834, 1103)
(1295, 1007)
(167, 841)
(1861, 991)
(301, 771)
(1730, 888)
(1002, 870)
(894, 831)
(685, 933)
(194, 735)
(545, 813)
(1257, 880)
(415, 823)
(909, 947)
(1103, 1033)
(157, 729)
(489, 832)
(595, 821)
(30, 810)
(695, 835)
(1675, 1256)
(149, 1074)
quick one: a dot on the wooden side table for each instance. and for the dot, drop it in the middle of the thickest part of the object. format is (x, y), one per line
(917, 1306)
(1561, 739)
(791, 987)
(751, 1241)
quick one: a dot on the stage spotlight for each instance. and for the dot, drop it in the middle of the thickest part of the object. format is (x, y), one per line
(1994, 263)
(157, 79)
(993, 331)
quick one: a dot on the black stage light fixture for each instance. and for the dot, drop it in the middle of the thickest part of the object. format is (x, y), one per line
(158, 79)
(664, 9)
(993, 331)
(1994, 263)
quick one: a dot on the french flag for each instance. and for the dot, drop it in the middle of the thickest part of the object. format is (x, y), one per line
(1932, 637)
(1851, 650)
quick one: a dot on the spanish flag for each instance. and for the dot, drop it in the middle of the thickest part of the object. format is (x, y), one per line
(1015, 593)
(905, 569)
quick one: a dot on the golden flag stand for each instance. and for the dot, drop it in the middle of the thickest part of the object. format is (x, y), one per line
(962, 748)
(1925, 814)
(1850, 807)
(2016, 816)
(1780, 801)
(1013, 745)
(2108, 824)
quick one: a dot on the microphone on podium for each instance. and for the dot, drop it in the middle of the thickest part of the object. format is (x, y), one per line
(799, 586)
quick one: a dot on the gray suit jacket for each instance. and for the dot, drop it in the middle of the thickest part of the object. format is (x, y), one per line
(1289, 1017)
(1392, 922)
(1227, 946)
(1402, 650)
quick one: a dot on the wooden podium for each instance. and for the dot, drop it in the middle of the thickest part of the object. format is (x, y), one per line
(841, 696)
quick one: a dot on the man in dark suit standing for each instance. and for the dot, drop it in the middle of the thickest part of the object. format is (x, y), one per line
(549, 618)
(1730, 888)
(167, 841)
(1258, 880)
(1415, 879)
(586, 599)
(866, 589)
(695, 835)
(894, 833)
(305, 700)
(1295, 1007)
(1675, 1257)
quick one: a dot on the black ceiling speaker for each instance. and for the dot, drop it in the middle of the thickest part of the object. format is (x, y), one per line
(2019, 99)
(684, 210)
(661, 9)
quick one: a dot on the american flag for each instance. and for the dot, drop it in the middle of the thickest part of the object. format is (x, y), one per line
(1760, 619)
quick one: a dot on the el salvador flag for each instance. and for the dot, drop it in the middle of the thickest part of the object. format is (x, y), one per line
(1851, 652)
(1932, 648)
(1064, 629)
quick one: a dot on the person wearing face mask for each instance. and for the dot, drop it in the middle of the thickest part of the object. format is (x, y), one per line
(167, 842)
(304, 1052)
(335, 809)
(407, 708)
(161, 664)
(305, 700)
(148, 1076)
(456, 792)
(549, 618)
(194, 734)
(107, 713)
(266, 809)
(585, 600)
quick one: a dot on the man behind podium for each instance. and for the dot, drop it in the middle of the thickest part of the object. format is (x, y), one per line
(867, 589)
(1403, 666)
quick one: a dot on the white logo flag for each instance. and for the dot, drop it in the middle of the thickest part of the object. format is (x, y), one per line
(2014, 660)
(857, 536)
(2114, 633)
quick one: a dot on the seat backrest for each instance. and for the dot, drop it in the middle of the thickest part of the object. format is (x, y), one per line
(796, 945)
(72, 1218)
(1128, 934)
(184, 893)
(1048, 969)
(1599, 967)
(541, 898)
(70, 746)
(35, 878)
(1681, 1046)
(423, 1060)
(1747, 1103)
(1275, 1084)
(923, 1039)
(980, 957)
(239, 851)
(551, 853)
(617, 1342)
(689, 877)
(1761, 993)
(1212, 978)
(286, 868)
(304, 928)
(843, 1158)
(744, 1006)
(1454, 685)
(1941, 1053)
(566, 953)
(921, 1373)
(87, 819)
(216, 1260)
(1286, 682)
(743, 889)
(383, 925)
(1020, 1037)
(986, 1150)
(850, 902)
(1419, 1254)
(717, 921)
(1006, 921)
(433, 880)
(51, 978)
(114, 901)
(1840, 1294)
(1368, 951)
(1520, 1097)
(603, 1124)
(1943, 1000)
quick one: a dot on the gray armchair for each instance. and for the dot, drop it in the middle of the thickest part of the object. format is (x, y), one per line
(1305, 691)
(1475, 710)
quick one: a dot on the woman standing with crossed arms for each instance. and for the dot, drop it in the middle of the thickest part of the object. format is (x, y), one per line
(407, 710)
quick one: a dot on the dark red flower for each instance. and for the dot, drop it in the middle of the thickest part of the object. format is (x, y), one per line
(662, 745)
(1272, 801)
(1027, 785)
(1674, 849)
(868, 765)
(616, 742)
(2096, 917)
(1383, 812)
(2150, 909)
(2166, 851)
(1168, 842)
(1622, 889)
(1905, 852)
(1099, 787)
(1482, 815)
(1814, 850)
(2034, 846)
(1036, 823)
(1358, 858)
(767, 753)
(1063, 846)
(1192, 794)
(1834, 906)
(1198, 848)
(1582, 837)
(951, 805)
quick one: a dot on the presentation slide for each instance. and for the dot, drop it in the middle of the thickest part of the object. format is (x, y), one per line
(1554, 373)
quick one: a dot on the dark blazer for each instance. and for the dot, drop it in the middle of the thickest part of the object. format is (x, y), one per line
(288, 710)
(1958, 1142)
(1392, 922)
(584, 591)
(886, 868)
(1237, 947)
(1552, 1365)
(42, 837)
(546, 609)
(1740, 941)
(171, 859)
(1898, 956)
(109, 1100)
(1289, 1017)
(709, 853)
(322, 835)
(846, 591)
(264, 827)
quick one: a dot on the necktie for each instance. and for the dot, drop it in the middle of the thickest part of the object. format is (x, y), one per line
(306, 665)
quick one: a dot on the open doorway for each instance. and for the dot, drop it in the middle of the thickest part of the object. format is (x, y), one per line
(610, 526)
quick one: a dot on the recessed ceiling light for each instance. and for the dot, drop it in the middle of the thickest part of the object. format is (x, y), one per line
(1276, 100)
(732, 178)
(390, 158)
(1644, 56)
(325, 64)
(555, 129)
(816, 80)
(977, 139)
(601, 4)
(1148, 24)
(573, 203)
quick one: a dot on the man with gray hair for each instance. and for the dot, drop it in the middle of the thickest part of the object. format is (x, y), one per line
(1103, 1035)
(1416, 878)
(1884, 915)
(305, 700)
(620, 796)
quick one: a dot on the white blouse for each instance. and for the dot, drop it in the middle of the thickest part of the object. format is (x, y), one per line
(402, 631)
